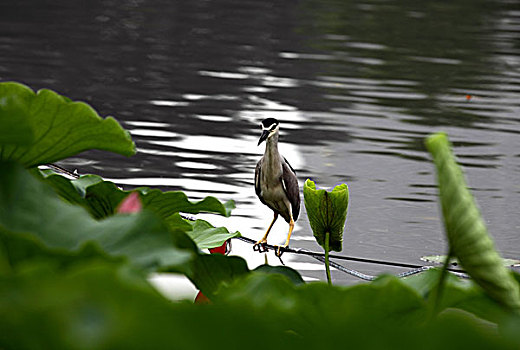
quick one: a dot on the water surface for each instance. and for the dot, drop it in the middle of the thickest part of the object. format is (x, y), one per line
(357, 87)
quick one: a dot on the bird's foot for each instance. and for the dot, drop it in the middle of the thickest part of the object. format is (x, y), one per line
(280, 250)
(260, 246)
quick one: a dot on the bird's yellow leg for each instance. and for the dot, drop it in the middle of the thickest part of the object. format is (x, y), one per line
(291, 227)
(264, 239)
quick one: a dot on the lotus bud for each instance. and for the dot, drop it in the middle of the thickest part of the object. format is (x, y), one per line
(327, 213)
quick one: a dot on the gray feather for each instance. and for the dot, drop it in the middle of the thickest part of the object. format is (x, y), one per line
(292, 190)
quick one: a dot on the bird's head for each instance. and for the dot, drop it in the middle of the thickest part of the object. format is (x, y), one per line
(270, 127)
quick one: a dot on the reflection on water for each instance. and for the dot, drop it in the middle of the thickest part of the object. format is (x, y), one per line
(356, 85)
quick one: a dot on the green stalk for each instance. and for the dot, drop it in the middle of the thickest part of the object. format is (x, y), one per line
(327, 263)
(436, 296)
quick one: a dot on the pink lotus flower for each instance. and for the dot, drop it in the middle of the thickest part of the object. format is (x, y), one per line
(131, 204)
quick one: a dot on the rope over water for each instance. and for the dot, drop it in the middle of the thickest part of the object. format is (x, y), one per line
(415, 269)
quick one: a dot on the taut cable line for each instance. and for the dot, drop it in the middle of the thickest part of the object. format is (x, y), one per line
(415, 269)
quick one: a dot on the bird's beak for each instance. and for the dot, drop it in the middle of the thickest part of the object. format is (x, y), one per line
(265, 133)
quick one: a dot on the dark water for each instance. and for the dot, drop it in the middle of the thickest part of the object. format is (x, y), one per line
(357, 85)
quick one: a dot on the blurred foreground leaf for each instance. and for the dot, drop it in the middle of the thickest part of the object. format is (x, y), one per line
(102, 306)
(105, 306)
(43, 127)
(462, 294)
(386, 298)
(288, 272)
(30, 209)
(384, 314)
(466, 231)
(36, 224)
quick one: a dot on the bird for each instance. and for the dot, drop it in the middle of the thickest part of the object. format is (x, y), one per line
(276, 184)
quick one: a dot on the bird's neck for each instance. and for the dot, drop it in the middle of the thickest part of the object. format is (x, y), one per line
(271, 155)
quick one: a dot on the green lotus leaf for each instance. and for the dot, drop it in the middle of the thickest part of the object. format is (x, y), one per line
(467, 234)
(327, 212)
(460, 293)
(30, 209)
(166, 203)
(101, 199)
(102, 306)
(44, 127)
(36, 224)
(15, 128)
(316, 306)
(73, 191)
(293, 275)
(21, 249)
(207, 236)
(209, 272)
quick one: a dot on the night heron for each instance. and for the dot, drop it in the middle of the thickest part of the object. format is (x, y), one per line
(276, 183)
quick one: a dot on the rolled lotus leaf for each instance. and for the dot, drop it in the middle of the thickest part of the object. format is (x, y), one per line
(467, 234)
(327, 212)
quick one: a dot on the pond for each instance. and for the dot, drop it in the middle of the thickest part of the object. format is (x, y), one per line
(356, 85)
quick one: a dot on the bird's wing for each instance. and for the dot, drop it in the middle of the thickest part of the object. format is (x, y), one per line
(290, 185)
(258, 173)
